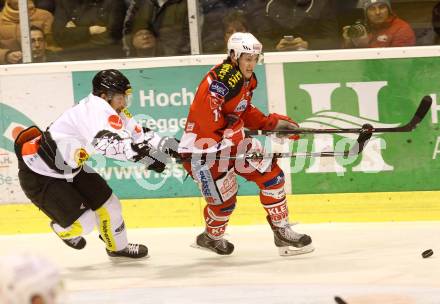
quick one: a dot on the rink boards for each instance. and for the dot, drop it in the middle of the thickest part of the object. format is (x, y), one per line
(394, 179)
(312, 208)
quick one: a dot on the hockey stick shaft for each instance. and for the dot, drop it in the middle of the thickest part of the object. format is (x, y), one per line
(361, 141)
(423, 108)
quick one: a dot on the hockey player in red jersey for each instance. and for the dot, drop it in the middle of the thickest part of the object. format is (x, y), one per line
(54, 176)
(217, 117)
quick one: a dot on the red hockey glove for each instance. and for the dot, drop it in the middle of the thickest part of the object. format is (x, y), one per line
(281, 122)
(234, 131)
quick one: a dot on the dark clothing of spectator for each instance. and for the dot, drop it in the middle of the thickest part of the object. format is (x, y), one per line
(48, 5)
(213, 12)
(313, 21)
(168, 22)
(72, 28)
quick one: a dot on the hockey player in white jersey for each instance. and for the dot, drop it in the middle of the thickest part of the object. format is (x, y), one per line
(53, 174)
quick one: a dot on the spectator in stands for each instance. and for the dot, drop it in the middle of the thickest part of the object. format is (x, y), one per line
(10, 38)
(168, 19)
(144, 43)
(214, 12)
(234, 21)
(8, 56)
(383, 28)
(89, 29)
(297, 25)
(38, 43)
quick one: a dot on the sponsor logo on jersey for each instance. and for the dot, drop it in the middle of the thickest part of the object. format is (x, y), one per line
(137, 129)
(224, 71)
(218, 88)
(234, 79)
(190, 127)
(115, 122)
(81, 156)
(127, 113)
(242, 105)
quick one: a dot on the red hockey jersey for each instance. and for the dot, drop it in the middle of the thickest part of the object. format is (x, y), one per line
(223, 95)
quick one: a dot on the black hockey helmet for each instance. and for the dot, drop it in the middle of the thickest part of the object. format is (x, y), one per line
(110, 81)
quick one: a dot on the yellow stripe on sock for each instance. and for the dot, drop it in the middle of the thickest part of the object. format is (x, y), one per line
(310, 208)
(105, 228)
(75, 230)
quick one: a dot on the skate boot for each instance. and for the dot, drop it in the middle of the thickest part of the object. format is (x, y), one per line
(290, 242)
(76, 243)
(221, 246)
(133, 251)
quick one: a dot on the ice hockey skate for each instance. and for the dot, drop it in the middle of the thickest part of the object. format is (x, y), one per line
(221, 246)
(76, 243)
(290, 242)
(132, 251)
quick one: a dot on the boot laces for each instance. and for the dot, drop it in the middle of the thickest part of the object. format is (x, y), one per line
(133, 248)
(288, 233)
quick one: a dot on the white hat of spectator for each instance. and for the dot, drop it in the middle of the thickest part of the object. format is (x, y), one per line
(368, 3)
(23, 277)
(244, 43)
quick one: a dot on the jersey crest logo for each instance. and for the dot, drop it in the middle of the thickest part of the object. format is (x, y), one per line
(115, 122)
(242, 105)
(218, 88)
(81, 156)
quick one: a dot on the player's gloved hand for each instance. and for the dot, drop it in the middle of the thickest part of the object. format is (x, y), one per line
(149, 157)
(282, 122)
(169, 146)
(235, 129)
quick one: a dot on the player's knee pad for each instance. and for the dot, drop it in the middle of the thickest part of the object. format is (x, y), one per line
(111, 224)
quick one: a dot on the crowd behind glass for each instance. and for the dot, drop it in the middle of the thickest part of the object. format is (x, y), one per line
(66, 30)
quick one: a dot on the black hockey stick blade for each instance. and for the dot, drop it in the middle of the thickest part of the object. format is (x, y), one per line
(422, 109)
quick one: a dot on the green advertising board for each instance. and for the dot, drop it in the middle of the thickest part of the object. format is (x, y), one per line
(161, 99)
(385, 93)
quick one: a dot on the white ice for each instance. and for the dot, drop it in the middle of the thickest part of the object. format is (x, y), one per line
(361, 263)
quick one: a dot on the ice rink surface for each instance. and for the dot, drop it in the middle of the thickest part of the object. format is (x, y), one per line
(361, 263)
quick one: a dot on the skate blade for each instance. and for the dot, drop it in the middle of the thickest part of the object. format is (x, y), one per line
(291, 251)
(194, 245)
(126, 260)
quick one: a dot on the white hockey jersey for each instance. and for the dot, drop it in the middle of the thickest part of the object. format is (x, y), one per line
(92, 126)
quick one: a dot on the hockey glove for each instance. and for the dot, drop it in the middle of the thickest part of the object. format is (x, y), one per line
(278, 122)
(148, 157)
(169, 146)
(234, 132)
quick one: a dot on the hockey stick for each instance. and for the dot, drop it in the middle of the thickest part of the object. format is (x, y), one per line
(361, 141)
(423, 108)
